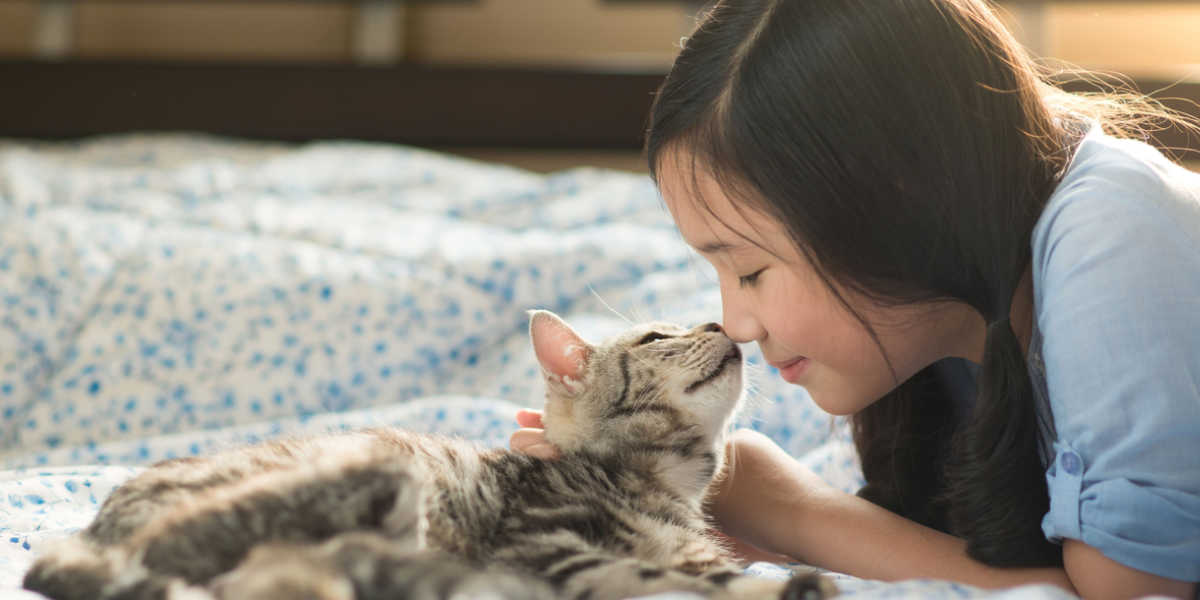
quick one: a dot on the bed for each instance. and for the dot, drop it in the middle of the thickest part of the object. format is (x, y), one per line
(166, 295)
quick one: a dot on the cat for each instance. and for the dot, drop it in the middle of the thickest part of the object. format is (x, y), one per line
(381, 513)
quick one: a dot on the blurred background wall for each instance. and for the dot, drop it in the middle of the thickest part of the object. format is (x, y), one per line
(1132, 35)
(1138, 38)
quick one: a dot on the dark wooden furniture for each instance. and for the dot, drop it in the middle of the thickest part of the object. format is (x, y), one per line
(393, 101)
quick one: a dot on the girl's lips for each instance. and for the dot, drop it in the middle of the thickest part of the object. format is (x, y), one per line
(792, 369)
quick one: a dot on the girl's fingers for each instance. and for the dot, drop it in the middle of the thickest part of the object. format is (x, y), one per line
(532, 442)
(525, 437)
(529, 418)
(531, 438)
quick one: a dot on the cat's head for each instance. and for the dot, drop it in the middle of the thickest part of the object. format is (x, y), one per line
(657, 389)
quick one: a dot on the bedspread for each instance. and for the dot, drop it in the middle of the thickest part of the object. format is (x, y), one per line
(168, 295)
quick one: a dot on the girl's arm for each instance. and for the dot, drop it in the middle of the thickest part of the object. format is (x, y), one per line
(777, 504)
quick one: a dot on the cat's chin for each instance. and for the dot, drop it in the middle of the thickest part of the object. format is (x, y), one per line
(719, 403)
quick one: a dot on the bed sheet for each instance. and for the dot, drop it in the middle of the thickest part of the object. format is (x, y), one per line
(167, 295)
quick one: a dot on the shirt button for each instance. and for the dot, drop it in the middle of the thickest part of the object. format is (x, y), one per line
(1071, 463)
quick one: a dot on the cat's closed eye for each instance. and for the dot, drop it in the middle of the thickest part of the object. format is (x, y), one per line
(652, 337)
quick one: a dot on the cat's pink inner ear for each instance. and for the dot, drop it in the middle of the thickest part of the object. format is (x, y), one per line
(559, 349)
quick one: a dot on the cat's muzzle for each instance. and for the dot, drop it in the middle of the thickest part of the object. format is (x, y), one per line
(731, 357)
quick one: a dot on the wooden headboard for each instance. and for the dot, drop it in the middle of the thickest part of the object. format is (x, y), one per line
(412, 104)
(378, 96)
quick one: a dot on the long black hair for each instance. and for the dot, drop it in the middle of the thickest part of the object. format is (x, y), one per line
(909, 147)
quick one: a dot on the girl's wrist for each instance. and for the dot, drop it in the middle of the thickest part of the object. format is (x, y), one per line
(809, 517)
(770, 499)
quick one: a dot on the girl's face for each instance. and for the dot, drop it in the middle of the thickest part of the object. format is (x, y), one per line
(770, 294)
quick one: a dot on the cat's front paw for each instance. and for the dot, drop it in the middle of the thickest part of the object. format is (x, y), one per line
(808, 586)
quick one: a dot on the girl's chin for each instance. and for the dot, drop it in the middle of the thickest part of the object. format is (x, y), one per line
(834, 403)
(840, 395)
(836, 411)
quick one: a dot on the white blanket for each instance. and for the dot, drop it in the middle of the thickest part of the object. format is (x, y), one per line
(169, 295)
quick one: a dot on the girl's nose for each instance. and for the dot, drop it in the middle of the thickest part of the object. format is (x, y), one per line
(741, 327)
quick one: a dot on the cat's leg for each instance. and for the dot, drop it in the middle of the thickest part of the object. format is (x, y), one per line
(629, 577)
(806, 585)
(706, 557)
(366, 566)
(284, 570)
(584, 574)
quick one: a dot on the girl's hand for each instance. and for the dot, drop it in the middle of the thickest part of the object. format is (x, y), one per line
(531, 437)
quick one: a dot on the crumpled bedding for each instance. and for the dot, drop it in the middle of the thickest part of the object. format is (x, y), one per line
(168, 295)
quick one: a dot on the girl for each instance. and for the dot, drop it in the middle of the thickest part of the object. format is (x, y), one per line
(886, 188)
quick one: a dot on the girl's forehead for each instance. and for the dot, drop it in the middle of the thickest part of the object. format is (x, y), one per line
(696, 202)
(709, 219)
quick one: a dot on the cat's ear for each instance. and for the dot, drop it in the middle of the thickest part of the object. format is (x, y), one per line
(562, 353)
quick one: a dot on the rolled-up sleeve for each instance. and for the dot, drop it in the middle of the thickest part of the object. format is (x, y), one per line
(1117, 261)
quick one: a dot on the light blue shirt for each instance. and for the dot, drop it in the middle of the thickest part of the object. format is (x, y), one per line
(1115, 355)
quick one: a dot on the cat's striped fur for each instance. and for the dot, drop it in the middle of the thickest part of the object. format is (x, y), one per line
(382, 513)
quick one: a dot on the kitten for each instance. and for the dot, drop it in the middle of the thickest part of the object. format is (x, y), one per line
(383, 513)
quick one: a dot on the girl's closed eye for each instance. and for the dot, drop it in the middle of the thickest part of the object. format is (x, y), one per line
(751, 279)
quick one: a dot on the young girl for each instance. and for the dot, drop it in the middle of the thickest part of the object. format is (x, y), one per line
(886, 188)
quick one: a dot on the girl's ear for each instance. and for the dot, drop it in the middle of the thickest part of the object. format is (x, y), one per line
(562, 353)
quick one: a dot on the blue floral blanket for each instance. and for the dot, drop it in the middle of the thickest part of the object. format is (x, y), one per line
(168, 295)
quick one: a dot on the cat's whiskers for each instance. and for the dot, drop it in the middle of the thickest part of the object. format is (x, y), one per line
(640, 316)
(609, 306)
(753, 398)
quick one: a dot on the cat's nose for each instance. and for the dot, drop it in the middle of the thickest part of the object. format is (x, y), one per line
(711, 328)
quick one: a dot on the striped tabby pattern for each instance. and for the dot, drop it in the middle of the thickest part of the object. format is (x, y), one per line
(383, 513)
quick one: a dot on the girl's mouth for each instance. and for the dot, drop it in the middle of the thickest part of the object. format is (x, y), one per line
(792, 369)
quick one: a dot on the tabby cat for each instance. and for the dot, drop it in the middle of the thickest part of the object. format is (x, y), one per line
(383, 513)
